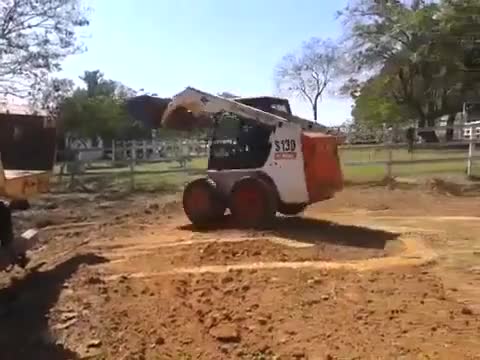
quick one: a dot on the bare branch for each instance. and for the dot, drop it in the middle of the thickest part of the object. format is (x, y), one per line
(308, 74)
(35, 36)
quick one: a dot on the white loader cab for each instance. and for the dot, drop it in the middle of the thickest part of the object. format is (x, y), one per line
(259, 163)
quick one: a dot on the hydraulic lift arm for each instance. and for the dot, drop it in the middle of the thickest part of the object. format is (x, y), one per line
(192, 108)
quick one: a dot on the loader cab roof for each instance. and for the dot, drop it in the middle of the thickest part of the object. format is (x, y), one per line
(280, 107)
(270, 104)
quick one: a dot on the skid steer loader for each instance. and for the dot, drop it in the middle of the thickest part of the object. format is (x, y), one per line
(260, 163)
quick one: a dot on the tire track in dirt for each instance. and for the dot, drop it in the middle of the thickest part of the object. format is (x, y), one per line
(119, 253)
(416, 253)
(119, 250)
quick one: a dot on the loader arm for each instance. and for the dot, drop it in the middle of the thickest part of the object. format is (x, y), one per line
(193, 108)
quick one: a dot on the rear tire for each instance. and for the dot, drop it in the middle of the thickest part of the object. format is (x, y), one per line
(202, 202)
(252, 203)
(291, 209)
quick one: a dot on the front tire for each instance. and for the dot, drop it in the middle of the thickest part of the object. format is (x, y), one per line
(252, 203)
(202, 202)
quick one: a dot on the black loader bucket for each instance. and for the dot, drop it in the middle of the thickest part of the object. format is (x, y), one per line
(147, 110)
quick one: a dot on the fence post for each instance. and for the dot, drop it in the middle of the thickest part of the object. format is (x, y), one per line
(133, 155)
(113, 151)
(389, 161)
(471, 152)
(144, 148)
(74, 170)
(388, 136)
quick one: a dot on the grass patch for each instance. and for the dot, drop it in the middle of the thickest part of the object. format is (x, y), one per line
(375, 172)
(171, 177)
(165, 177)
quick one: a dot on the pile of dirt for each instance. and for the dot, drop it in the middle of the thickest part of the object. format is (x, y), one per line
(244, 251)
(279, 314)
(97, 287)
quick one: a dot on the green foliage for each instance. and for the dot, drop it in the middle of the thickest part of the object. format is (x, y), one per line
(86, 117)
(410, 53)
(374, 108)
(99, 110)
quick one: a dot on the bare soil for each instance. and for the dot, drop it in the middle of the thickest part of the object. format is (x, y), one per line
(376, 273)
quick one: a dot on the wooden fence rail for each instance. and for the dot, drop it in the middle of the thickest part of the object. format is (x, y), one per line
(184, 151)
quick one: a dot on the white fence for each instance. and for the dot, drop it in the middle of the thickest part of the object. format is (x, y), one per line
(143, 150)
(132, 155)
(393, 141)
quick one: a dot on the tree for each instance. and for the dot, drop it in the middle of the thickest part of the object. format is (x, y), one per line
(99, 110)
(97, 85)
(52, 93)
(374, 107)
(418, 46)
(309, 73)
(35, 36)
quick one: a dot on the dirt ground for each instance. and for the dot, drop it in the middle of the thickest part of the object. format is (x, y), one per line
(376, 273)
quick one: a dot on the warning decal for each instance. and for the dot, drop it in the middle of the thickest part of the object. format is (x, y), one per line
(285, 155)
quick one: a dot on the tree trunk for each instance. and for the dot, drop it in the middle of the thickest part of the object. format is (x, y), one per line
(450, 122)
(314, 109)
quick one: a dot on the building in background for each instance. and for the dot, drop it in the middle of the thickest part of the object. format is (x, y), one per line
(27, 138)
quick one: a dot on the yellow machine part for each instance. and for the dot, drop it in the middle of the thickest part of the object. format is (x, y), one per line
(20, 184)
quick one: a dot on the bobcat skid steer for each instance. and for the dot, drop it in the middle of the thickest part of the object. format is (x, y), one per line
(260, 163)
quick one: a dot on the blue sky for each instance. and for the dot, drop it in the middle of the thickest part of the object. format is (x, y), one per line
(164, 46)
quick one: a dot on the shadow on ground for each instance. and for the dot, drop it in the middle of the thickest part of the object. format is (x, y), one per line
(24, 309)
(315, 231)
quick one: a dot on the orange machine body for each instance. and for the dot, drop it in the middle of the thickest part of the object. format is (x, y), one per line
(323, 172)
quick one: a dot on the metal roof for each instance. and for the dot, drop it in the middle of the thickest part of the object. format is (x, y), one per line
(20, 109)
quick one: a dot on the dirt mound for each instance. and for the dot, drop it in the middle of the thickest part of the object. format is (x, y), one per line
(117, 302)
(245, 251)
(264, 315)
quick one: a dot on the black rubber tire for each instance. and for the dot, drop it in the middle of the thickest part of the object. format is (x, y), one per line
(291, 209)
(6, 225)
(19, 205)
(209, 212)
(258, 213)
